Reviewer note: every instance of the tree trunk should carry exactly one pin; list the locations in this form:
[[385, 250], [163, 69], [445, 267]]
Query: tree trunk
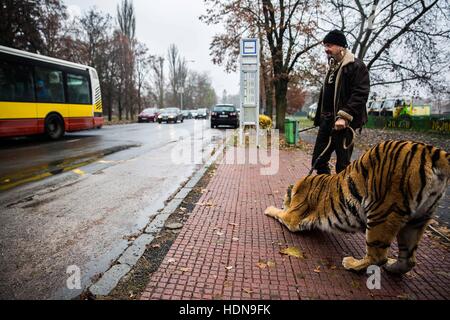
[[267, 86], [120, 106], [269, 96], [281, 86], [109, 102]]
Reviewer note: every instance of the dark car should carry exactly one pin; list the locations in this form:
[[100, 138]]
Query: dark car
[[224, 114], [187, 114], [170, 115], [147, 115], [202, 114]]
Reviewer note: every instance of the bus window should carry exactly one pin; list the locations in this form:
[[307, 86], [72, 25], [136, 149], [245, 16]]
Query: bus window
[[49, 85], [16, 82], [78, 91]]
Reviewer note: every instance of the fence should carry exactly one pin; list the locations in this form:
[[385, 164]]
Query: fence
[[431, 124]]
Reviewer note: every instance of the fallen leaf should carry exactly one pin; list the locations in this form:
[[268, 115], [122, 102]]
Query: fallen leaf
[[235, 239], [157, 245], [185, 269], [403, 296], [261, 264], [248, 290], [219, 233], [171, 260], [333, 267], [317, 270], [233, 224], [355, 284], [293, 252], [204, 190], [443, 273], [270, 264], [183, 209], [229, 267]]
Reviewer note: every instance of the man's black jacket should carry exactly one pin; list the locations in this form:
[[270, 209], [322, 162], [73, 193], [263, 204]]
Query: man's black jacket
[[351, 92]]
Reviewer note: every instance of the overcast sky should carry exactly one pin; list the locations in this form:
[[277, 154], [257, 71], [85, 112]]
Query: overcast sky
[[162, 22]]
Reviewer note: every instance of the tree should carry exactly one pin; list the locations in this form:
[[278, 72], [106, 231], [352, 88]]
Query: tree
[[285, 28], [31, 25], [95, 27], [177, 73], [142, 67], [295, 98], [158, 83], [53, 14], [126, 19], [401, 41], [127, 23]]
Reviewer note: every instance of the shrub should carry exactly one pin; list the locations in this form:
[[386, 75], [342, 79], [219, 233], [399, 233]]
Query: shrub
[[265, 122]]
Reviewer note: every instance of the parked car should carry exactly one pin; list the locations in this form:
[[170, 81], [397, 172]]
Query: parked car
[[147, 115], [224, 114], [194, 114], [187, 114], [202, 114], [312, 109], [170, 115]]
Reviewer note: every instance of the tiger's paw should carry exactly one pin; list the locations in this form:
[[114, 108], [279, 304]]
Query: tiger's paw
[[271, 211], [398, 267], [350, 263]]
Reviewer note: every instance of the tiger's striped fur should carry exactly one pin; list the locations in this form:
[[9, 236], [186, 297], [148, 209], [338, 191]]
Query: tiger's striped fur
[[390, 192]]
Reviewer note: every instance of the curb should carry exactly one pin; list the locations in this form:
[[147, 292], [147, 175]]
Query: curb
[[126, 261]]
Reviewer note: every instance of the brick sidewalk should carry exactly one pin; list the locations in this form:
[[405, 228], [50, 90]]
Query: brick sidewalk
[[223, 250]]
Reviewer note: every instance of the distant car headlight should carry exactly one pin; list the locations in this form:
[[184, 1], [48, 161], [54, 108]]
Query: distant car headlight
[[160, 116]]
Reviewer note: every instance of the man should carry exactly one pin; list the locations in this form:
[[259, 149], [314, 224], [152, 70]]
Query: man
[[342, 103]]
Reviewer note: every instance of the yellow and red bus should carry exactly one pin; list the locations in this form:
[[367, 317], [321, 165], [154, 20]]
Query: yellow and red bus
[[39, 94]]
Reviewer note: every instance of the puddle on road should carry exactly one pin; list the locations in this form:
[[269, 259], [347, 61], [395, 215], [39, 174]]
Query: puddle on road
[[56, 167]]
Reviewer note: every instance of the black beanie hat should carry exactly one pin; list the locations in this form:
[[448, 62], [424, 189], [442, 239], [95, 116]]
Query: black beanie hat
[[336, 37]]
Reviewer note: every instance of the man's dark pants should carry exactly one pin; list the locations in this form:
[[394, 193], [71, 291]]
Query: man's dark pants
[[337, 144]]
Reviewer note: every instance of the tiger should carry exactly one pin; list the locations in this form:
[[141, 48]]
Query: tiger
[[390, 192]]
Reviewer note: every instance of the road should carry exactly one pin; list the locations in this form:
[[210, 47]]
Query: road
[[117, 179]]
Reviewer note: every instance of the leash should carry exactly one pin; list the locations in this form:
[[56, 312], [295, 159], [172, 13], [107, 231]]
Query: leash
[[310, 128], [329, 144]]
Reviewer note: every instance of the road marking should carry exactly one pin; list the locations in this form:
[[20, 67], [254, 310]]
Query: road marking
[[78, 171], [106, 161], [70, 141]]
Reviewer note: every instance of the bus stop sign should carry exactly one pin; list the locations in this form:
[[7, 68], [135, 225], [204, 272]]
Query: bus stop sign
[[249, 83]]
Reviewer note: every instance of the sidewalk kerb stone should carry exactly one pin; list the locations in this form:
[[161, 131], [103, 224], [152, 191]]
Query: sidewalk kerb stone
[[157, 223], [109, 280], [183, 193], [136, 250]]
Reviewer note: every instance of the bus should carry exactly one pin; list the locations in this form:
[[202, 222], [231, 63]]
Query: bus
[[43, 95]]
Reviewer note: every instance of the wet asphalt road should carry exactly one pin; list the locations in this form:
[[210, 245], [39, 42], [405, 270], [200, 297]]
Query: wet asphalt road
[[86, 217]]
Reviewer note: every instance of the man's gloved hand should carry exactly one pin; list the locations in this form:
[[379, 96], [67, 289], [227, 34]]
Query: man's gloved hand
[[340, 124]]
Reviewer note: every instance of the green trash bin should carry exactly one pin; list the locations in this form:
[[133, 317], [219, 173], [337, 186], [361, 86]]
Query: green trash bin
[[290, 131]]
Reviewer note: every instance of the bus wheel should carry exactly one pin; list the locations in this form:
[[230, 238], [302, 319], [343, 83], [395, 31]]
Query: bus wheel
[[54, 127]]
